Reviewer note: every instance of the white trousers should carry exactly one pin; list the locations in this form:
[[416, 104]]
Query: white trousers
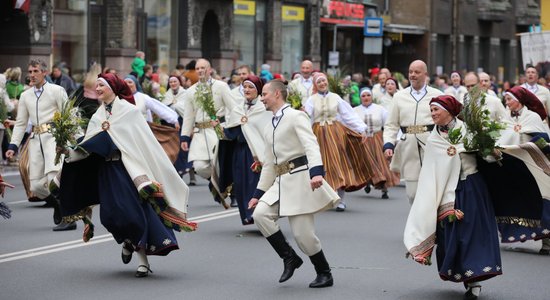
[[203, 168], [302, 226]]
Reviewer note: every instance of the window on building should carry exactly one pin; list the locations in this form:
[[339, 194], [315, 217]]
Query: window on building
[[249, 32], [69, 38], [159, 26], [292, 38]]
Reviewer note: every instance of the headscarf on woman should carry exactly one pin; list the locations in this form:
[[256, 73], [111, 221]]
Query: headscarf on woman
[[136, 82], [448, 103], [118, 86], [256, 81], [526, 98]]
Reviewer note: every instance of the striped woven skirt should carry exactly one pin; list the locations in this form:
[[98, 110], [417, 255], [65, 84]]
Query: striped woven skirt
[[382, 177], [344, 156]]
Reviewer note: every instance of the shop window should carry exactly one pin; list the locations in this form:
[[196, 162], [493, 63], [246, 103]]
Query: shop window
[[292, 38], [159, 26], [248, 32]]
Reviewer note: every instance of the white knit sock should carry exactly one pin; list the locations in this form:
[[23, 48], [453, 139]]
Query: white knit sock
[[142, 257], [475, 287]]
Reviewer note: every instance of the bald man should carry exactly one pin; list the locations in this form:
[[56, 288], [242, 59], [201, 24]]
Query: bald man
[[197, 123], [411, 114], [304, 84], [485, 83], [497, 111]]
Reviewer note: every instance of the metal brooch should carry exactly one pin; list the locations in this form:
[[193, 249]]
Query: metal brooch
[[451, 151], [105, 125]]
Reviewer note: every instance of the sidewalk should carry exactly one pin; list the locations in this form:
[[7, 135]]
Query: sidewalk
[[11, 169]]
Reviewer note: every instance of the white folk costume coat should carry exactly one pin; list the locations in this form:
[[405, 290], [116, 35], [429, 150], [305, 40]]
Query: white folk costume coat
[[288, 139], [141, 154], [39, 111], [517, 128], [442, 168], [378, 92], [406, 111], [298, 86], [458, 93], [497, 111], [387, 101], [205, 140]]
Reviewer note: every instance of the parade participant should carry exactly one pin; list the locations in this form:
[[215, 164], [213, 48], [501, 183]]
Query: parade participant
[[392, 87], [142, 199], [497, 112], [525, 124], [340, 134], [238, 92], [410, 113], [531, 84], [245, 130], [485, 83], [379, 90], [175, 100], [38, 105], [148, 105], [452, 207], [291, 185], [526, 117], [304, 84], [175, 93], [456, 89], [198, 122], [375, 116]]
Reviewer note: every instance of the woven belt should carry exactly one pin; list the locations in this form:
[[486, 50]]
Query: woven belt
[[290, 165], [42, 128], [204, 125], [416, 129]]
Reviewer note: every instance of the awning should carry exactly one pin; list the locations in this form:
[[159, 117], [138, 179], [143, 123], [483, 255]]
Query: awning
[[406, 29]]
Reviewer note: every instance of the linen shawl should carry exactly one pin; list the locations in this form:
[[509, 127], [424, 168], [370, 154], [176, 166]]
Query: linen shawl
[[142, 155], [435, 196], [253, 122], [527, 122]]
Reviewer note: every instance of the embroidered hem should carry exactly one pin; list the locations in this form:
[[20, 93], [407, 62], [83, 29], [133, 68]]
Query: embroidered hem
[[423, 252]]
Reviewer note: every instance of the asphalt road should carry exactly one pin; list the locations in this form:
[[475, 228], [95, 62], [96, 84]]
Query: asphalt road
[[225, 260]]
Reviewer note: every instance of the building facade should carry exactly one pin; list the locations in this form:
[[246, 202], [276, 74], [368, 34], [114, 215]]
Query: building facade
[[447, 34]]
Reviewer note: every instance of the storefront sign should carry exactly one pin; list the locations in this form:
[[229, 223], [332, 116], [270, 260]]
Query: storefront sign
[[293, 13], [341, 9], [244, 7], [343, 12], [333, 58]]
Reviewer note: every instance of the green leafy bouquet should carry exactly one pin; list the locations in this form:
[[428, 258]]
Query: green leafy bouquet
[[294, 99], [66, 125], [205, 99], [336, 86], [481, 132], [4, 117]]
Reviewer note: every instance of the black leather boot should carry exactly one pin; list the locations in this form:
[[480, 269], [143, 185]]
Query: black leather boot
[[51, 201], [324, 277], [291, 260]]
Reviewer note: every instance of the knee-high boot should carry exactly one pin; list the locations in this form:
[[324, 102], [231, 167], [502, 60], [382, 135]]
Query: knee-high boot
[[324, 277], [291, 260]]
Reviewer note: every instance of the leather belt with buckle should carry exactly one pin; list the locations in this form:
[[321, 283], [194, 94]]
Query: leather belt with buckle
[[42, 128], [416, 129], [290, 165], [203, 125]]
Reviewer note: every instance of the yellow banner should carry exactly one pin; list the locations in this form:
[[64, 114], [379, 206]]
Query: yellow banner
[[244, 7], [293, 13]]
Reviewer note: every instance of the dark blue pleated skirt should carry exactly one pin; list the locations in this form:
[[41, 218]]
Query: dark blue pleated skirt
[[468, 249]]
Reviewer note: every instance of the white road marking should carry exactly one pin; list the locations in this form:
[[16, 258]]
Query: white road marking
[[97, 239]]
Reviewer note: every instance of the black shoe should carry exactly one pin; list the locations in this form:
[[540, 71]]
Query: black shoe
[[291, 263], [544, 252], [234, 202], [322, 268], [140, 274], [367, 189], [126, 258], [65, 226], [385, 195]]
